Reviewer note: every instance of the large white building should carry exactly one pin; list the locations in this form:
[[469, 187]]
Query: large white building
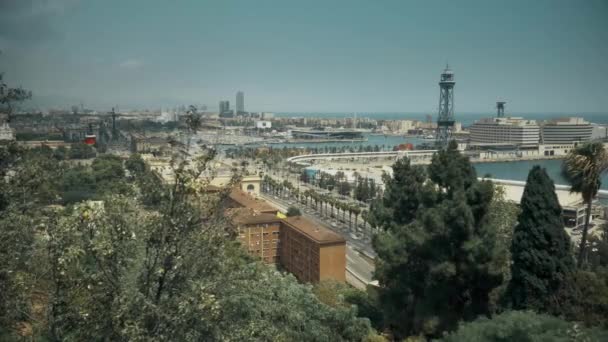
[[6, 132], [261, 124], [510, 130], [565, 131]]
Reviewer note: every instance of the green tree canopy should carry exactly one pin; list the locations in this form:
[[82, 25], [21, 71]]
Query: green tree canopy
[[540, 249], [437, 257], [293, 211], [524, 326]]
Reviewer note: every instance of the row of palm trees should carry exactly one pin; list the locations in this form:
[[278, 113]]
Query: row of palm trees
[[326, 205]]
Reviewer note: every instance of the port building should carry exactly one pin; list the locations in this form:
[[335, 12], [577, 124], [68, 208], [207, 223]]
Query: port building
[[565, 131], [500, 130]]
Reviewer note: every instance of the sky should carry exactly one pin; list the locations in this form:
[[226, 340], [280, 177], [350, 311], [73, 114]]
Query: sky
[[309, 56]]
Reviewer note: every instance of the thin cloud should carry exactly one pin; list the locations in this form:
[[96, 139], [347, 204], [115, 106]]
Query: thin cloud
[[131, 64]]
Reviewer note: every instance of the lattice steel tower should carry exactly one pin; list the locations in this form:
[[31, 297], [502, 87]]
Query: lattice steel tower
[[500, 109], [445, 118]]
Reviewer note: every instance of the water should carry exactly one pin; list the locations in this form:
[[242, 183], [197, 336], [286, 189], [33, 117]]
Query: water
[[388, 141], [518, 170], [466, 119]]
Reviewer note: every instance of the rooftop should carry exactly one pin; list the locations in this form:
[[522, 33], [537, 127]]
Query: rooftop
[[251, 202], [567, 121], [508, 121], [250, 216], [317, 233]]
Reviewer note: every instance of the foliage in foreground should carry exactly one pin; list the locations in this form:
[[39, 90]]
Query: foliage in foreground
[[123, 270], [524, 326], [439, 254], [542, 259]]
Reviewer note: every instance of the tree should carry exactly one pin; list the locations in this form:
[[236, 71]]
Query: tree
[[60, 153], [541, 247], [584, 167], [10, 96], [503, 216], [293, 211], [109, 175], [436, 258], [584, 298], [193, 124], [135, 165], [524, 326], [403, 195], [81, 150], [122, 273]]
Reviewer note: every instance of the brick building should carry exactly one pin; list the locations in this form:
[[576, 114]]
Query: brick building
[[308, 251], [258, 233]]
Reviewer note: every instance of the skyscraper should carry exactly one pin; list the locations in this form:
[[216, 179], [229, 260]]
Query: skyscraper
[[240, 102], [225, 111]]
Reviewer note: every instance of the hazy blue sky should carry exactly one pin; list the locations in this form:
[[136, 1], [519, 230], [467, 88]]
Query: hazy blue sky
[[541, 56]]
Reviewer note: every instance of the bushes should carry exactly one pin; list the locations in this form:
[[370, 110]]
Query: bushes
[[524, 326]]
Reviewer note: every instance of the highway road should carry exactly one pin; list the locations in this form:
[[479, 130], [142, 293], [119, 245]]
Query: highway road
[[359, 255]]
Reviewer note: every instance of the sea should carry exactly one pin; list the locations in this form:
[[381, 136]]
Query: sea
[[511, 170], [466, 119]]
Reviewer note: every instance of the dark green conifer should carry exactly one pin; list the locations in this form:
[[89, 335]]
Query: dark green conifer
[[436, 256], [540, 249]]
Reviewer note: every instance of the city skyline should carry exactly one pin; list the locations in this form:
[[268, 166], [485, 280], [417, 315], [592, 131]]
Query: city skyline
[[545, 56]]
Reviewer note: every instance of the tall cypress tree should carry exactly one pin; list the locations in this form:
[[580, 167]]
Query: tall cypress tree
[[540, 247]]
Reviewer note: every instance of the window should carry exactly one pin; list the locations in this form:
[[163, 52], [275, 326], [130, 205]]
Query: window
[[250, 187]]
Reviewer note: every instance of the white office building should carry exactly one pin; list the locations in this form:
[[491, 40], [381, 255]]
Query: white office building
[[262, 124], [510, 130], [6, 132], [565, 131]]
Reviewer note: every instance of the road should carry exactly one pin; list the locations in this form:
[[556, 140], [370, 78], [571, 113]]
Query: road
[[359, 256]]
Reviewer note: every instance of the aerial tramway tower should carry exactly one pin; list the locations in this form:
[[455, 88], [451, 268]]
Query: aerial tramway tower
[[445, 117]]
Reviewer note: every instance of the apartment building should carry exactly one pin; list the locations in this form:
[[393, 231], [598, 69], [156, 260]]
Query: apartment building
[[257, 232], [310, 252]]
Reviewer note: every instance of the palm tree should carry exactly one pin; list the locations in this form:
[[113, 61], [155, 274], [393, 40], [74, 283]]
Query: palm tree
[[350, 217], [356, 212], [364, 214], [584, 167], [326, 199], [332, 203]]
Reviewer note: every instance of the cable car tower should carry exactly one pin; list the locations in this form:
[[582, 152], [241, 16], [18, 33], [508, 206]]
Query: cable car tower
[[445, 117]]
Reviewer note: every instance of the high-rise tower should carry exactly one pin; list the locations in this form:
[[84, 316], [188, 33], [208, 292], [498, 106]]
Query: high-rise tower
[[240, 102], [445, 117], [500, 109]]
